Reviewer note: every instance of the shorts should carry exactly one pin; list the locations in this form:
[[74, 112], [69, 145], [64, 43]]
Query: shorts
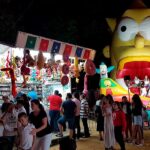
[[138, 120], [71, 122]]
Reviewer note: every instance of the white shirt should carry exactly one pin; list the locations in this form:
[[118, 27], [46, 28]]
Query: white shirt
[[10, 123], [20, 110], [78, 105], [26, 138]]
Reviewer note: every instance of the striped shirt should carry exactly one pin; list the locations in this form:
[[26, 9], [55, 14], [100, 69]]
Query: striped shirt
[[84, 110]]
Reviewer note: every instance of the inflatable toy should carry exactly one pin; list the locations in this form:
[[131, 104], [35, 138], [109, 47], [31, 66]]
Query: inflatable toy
[[103, 70], [130, 49]]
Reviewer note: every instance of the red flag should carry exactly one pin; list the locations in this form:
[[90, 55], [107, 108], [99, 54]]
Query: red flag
[[44, 45], [86, 54], [67, 50]]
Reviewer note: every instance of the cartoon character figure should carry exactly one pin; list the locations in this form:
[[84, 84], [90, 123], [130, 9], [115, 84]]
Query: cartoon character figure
[[103, 70], [129, 50], [107, 83]]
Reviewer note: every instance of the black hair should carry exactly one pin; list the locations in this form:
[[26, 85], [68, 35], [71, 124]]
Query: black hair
[[76, 95], [60, 95], [110, 99], [124, 97], [37, 102], [20, 102], [69, 95], [136, 100], [118, 104], [22, 114], [56, 92]]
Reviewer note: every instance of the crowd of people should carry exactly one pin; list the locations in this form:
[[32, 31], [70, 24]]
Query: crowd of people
[[28, 126], [122, 122]]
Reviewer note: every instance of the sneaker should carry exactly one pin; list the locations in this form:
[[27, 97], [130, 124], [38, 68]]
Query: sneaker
[[139, 145], [59, 135]]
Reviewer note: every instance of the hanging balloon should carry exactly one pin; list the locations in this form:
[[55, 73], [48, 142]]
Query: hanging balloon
[[65, 58], [65, 69], [89, 67], [64, 80]]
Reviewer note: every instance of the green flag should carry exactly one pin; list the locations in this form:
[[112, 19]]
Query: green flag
[[30, 43]]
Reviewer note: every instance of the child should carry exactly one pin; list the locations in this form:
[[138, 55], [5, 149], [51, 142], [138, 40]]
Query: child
[[26, 139], [19, 106], [9, 120], [109, 137], [119, 124]]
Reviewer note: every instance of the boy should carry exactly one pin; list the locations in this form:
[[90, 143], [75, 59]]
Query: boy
[[26, 139]]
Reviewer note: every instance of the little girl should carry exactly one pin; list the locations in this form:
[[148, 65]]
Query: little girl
[[109, 138], [119, 124]]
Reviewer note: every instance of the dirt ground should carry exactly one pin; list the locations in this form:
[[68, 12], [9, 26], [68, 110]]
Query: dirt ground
[[93, 143]]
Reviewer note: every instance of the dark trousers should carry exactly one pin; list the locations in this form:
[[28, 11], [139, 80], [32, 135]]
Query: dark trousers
[[11, 140], [54, 116], [86, 128], [119, 137], [77, 126]]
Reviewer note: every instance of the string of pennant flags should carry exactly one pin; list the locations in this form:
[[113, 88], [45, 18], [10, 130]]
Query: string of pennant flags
[[34, 42]]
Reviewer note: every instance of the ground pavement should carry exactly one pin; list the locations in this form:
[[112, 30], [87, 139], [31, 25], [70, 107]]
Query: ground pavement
[[93, 143]]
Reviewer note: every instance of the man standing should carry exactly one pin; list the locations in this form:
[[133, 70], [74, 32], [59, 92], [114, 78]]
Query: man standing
[[126, 107], [84, 111], [77, 115], [68, 110], [54, 109]]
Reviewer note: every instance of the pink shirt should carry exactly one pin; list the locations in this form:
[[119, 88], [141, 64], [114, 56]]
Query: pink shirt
[[55, 102], [78, 104]]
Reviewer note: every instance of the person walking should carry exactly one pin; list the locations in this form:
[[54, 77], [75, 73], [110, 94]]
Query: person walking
[[68, 110], [119, 120], [77, 115], [54, 110], [126, 108], [84, 111], [42, 128], [109, 137]]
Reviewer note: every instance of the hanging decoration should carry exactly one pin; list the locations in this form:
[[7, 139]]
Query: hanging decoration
[[13, 79], [30, 41], [89, 67], [40, 60]]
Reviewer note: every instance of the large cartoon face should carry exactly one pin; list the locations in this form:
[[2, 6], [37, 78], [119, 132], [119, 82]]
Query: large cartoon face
[[130, 49]]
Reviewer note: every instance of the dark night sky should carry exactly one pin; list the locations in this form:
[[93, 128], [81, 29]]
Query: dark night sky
[[78, 22]]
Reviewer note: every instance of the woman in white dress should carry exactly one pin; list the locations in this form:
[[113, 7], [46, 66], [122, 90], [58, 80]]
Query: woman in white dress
[[109, 137]]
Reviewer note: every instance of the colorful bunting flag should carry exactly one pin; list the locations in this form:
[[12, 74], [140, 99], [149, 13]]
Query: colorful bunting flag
[[44, 45], [67, 50], [31, 40], [56, 47], [79, 51], [25, 40], [86, 54]]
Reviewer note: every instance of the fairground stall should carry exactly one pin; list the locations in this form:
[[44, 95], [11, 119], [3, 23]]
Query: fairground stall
[[40, 63]]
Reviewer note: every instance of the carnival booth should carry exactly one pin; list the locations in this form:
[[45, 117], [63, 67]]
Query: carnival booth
[[130, 55], [40, 63]]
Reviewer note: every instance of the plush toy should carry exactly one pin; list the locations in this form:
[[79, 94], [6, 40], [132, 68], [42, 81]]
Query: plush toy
[[27, 61], [13, 79], [40, 60]]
